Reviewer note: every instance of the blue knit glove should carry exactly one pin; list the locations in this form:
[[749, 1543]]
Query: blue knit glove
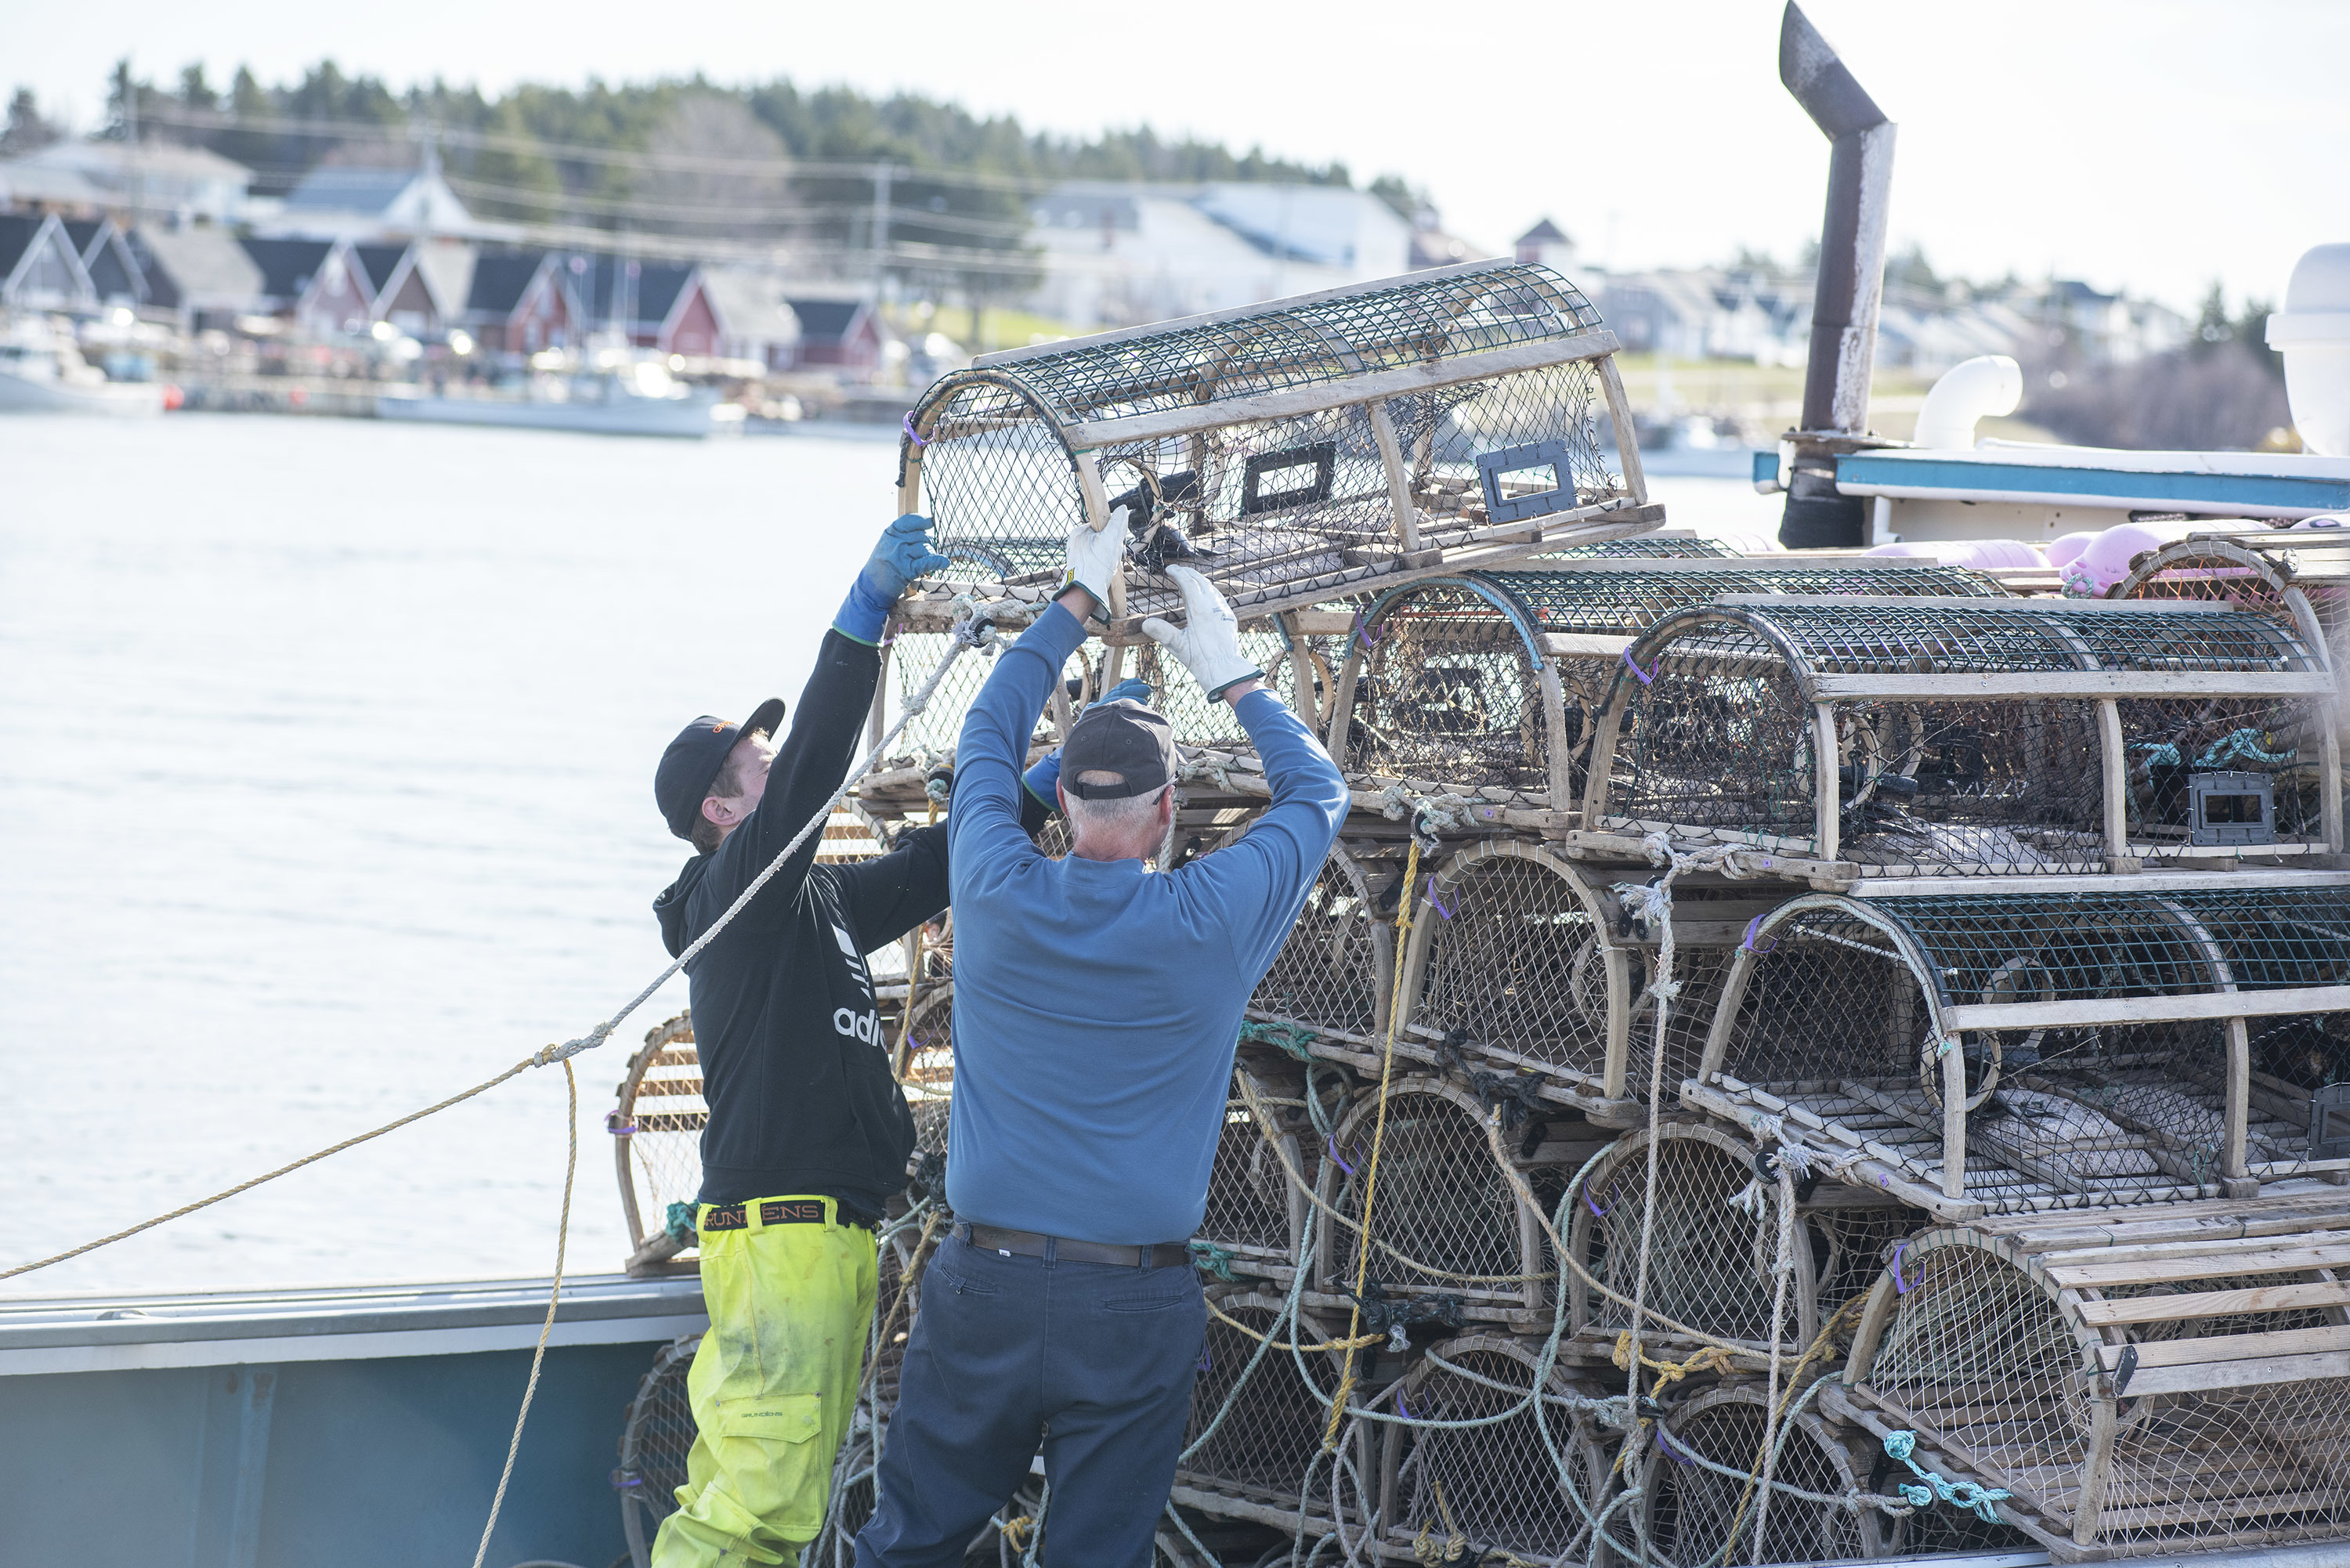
[[902, 553], [1044, 780]]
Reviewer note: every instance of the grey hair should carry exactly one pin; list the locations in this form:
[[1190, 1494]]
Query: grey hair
[[1127, 814]]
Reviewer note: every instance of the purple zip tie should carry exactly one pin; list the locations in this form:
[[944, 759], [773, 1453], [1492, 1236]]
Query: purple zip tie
[[1339, 1157], [1746, 942], [1363, 634], [1900, 1286], [1665, 1446], [1401, 1408], [907, 424], [1596, 1211], [1205, 1365], [1647, 677], [1432, 903]]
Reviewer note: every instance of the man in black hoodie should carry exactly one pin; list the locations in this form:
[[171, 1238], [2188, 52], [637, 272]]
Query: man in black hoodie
[[808, 1133]]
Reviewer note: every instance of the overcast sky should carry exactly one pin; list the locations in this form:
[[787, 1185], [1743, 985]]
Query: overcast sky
[[2153, 144]]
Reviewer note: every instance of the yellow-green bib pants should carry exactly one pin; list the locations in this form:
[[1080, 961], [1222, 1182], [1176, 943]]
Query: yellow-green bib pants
[[772, 1385]]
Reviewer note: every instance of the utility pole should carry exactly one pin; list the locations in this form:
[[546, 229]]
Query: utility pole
[[881, 175]]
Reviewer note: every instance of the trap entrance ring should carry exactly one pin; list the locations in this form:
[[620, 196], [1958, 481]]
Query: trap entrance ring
[[1294, 451], [1493, 681], [1448, 1229], [1868, 735], [2073, 1044], [1498, 1484], [2152, 1383], [1691, 1509], [1713, 1245]]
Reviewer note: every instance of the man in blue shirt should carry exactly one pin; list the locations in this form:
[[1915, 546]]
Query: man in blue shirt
[[1096, 1010]]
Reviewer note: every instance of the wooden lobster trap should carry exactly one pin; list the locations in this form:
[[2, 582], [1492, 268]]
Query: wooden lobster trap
[[1693, 1511], [1259, 1184], [1449, 1241], [1488, 685], [2297, 577], [1713, 1245], [2051, 1045], [1328, 987], [1527, 1484], [1889, 737], [1293, 451], [1254, 1463], [2142, 1382], [1522, 962]]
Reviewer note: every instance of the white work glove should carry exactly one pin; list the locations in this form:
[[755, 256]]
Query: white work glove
[[1097, 555], [1209, 643]]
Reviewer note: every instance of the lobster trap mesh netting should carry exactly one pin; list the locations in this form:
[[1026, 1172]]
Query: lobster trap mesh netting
[[657, 1435], [1994, 1363], [661, 1101], [2264, 581], [1503, 1486], [1710, 1252], [1260, 501], [930, 1076], [1517, 968], [1272, 1435], [1448, 1223], [2266, 756], [1694, 1511], [1255, 1211], [1333, 975]]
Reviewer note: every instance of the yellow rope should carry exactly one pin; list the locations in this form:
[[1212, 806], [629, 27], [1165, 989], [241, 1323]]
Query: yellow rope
[[1371, 1166], [1355, 1343], [1017, 1529], [1713, 1358]]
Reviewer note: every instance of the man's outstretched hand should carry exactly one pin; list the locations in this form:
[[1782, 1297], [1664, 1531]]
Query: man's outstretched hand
[[1209, 642], [1097, 555], [902, 553]]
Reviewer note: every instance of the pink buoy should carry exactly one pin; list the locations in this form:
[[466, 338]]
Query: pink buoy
[[2065, 548]]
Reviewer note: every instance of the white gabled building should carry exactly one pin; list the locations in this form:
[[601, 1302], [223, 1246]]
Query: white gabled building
[[1116, 254]]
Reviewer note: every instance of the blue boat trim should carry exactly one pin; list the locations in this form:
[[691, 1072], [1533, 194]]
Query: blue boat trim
[[1864, 471]]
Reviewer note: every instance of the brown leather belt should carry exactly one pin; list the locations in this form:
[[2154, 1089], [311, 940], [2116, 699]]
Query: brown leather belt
[[1029, 1244]]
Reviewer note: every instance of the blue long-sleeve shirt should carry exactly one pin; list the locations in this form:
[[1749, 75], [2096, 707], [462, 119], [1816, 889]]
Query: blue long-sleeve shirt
[[1098, 1007]]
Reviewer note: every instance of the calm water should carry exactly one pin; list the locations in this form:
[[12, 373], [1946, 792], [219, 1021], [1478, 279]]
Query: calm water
[[325, 751]]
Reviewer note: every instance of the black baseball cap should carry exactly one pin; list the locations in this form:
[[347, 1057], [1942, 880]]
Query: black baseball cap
[[682, 781], [1123, 738]]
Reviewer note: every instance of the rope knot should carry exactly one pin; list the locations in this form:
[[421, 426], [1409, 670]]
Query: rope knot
[[547, 1055]]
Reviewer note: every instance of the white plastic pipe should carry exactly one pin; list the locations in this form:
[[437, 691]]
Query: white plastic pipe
[[1981, 388], [2313, 333]]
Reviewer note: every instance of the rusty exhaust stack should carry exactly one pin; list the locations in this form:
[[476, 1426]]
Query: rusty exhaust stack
[[1850, 287]]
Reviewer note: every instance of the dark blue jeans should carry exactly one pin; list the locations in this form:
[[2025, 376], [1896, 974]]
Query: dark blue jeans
[[1092, 1361]]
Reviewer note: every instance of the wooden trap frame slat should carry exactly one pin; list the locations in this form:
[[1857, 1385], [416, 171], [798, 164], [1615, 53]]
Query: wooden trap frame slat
[[2127, 1415]]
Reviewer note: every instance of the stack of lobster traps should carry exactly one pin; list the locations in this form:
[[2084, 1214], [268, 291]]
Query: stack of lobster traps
[[1791, 1058]]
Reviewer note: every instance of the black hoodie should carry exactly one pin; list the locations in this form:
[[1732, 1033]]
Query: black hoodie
[[794, 1066]]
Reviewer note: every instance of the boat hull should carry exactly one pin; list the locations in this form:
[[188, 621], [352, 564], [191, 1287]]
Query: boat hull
[[30, 395], [676, 418]]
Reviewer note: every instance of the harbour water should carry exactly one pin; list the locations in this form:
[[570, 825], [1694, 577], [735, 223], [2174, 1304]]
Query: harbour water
[[325, 761]]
